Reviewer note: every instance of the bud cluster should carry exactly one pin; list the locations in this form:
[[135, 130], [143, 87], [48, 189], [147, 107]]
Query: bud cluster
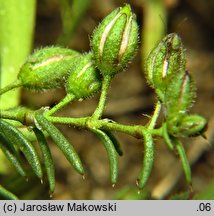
[[166, 72], [113, 45]]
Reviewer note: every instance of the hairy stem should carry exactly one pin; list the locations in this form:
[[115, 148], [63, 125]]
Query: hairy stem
[[155, 115], [11, 86], [89, 122], [66, 100], [85, 123], [101, 106]]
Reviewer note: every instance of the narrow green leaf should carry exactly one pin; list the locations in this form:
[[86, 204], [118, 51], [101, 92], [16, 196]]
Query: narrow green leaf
[[112, 154], [48, 160], [72, 11], [67, 149], [115, 142], [147, 160], [184, 160], [9, 145], [11, 156], [7, 194], [30, 135], [167, 137], [16, 137]]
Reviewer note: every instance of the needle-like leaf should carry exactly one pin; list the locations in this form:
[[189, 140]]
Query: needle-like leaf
[[4, 193], [15, 137], [63, 144], [115, 142], [48, 160], [147, 160], [112, 154], [184, 160], [11, 156]]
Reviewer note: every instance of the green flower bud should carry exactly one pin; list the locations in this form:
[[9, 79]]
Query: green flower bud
[[85, 79], [115, 41], [179, 96], [47, 68], [165, 61], [189, 125]]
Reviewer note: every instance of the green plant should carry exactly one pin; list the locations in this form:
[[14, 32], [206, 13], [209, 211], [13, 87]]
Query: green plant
[[16, 35], [113, 45]]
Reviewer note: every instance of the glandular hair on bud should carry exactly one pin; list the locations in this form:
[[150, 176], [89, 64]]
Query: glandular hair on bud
[[84, 79], [47, 68], [180, 95], [115, 41]]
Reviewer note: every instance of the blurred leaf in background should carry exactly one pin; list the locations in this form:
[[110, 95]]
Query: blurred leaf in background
[[72, 11]]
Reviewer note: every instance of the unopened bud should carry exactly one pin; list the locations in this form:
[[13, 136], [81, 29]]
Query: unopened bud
[[85, 79], [47, 68], [165, 61], [180, 95], [189, 125], [115, 41]]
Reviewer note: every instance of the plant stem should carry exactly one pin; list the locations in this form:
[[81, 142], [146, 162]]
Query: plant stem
[[11, 86], [133, 130], [88, 123], [11, 115], [167, 137], [101, 105], [154, 118], [66, 100], [77, 122], [20, 114]]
